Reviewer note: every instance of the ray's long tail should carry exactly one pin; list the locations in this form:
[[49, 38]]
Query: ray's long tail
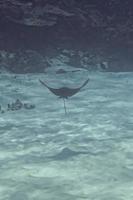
[[64, 106]]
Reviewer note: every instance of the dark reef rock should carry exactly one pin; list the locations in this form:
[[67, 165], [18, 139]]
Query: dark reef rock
[[27, 61], [93, 60], [36, 29]]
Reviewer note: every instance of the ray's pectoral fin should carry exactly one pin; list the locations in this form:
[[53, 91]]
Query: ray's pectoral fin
[[85, 83], [54, 91], [44, 84]]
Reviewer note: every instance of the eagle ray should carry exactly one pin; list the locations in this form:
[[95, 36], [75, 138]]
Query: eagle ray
[[64, 92]]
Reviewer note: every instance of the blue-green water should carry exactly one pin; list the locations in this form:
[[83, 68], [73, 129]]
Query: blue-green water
[[86, 154]]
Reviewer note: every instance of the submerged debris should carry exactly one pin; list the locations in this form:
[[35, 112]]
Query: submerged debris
[[17, 105], [28, 106], [2, 111]]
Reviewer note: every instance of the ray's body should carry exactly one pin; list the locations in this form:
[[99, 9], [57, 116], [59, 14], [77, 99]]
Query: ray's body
[[64, 92]]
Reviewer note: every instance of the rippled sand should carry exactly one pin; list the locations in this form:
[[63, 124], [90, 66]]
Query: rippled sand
[[86, 154]]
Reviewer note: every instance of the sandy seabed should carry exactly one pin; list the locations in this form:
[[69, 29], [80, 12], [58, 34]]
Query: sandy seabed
[[85, 154]]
